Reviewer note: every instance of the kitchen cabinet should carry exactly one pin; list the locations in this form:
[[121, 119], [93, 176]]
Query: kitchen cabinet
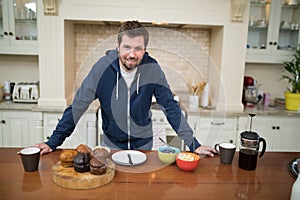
[[280, 132], [273, 31], [18, 27], [210, 130], [162, 129], [20, 128], [85, 131]]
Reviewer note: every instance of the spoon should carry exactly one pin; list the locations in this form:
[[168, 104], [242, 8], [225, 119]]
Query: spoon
[[163, 141]]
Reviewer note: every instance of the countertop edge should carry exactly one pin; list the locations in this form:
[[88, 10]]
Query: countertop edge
[[262, 111]]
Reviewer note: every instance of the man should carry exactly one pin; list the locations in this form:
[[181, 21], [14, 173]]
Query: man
[[124, 81]]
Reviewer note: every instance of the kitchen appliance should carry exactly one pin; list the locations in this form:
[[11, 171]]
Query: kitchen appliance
[[26, 92], [250, 143], [251, 96]]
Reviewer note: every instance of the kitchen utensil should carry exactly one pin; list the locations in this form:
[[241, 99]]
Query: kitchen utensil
[[248, 81], [187, 161], [30, 158], [226, 151], [293, 167], [167, 154], [251, 96], [121, 157], [26, 92], [7, 94], [163, 141], [295, 194], [250, 143], [66, 177], [130, 160]]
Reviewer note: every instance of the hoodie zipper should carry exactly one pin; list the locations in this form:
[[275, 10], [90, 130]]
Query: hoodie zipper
[[128, 105], [128, 116]]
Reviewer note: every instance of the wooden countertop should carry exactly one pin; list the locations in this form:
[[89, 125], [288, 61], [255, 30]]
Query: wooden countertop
[[211, 180]]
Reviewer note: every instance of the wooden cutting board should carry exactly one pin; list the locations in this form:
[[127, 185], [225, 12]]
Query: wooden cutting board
[[69, 178]]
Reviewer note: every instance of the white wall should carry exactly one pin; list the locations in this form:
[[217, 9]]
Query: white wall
[[269, 76], [19, 68]]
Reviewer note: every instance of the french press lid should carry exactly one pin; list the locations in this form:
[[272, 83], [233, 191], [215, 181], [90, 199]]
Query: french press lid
[[249, 135]]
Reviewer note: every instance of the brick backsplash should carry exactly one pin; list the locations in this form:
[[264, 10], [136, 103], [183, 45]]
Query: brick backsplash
[[182, 52]]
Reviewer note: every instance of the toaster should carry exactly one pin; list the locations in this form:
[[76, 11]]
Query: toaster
[[26, 92]]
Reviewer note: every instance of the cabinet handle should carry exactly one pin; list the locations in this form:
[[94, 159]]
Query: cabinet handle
[[3, 121], [273, 127], [5, 33], [270, 43], [11, 34], [48, 137], [230, 141], [217, 123], [275, 43], [278, 127]]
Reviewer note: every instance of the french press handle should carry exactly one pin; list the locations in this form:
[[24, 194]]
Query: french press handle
[[264, 146]]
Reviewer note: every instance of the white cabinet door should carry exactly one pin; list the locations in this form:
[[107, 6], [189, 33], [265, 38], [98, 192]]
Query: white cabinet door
[[286, 134], [18, 27], [2, 121], [16, 127], [50, 122], [269, 40], [85, 131], [210, 130], [36, 128]]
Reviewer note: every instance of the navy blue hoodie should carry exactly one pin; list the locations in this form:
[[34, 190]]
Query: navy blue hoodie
[[125, 110]]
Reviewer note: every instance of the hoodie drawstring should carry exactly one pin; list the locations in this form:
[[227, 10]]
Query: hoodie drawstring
[[117, 89], [137, 84], [117, 86]]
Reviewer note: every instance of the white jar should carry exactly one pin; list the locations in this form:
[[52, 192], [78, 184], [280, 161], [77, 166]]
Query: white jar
[[7, 95]]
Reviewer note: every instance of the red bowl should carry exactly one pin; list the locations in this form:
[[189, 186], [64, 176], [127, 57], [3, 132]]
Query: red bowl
[[187, 161]]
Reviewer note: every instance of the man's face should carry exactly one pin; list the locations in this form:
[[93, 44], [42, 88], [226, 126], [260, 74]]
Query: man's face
[[131, 52]]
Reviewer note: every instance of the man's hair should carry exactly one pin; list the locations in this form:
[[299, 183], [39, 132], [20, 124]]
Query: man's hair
[[133, 29]]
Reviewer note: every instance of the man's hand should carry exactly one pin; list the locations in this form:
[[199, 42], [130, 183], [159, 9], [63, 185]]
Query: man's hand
[[44, 148], [206, 150]]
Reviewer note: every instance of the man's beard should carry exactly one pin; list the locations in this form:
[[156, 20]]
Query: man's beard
[[131, 67]]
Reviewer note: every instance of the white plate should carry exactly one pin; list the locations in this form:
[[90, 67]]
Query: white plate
[[121, 157]]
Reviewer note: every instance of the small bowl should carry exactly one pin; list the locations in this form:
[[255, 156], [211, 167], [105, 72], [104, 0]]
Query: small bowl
[[187, 161], [167, 154]]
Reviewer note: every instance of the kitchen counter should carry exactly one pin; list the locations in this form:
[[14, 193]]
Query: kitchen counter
[[260, 110], [10, 105], [211, 180], [276, 111]]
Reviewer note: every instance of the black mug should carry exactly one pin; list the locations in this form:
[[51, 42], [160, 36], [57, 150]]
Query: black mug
[[226, 151]]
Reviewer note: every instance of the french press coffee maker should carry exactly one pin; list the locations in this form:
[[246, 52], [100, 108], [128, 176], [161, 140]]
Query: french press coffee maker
[[250, 142]]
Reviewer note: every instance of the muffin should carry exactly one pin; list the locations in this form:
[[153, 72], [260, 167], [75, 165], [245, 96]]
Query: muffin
[[97, 167], [100, 152], [82, 162], [66, 157], [82, 148]]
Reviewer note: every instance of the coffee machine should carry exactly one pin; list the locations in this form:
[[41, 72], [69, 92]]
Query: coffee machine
[[251, 96]]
